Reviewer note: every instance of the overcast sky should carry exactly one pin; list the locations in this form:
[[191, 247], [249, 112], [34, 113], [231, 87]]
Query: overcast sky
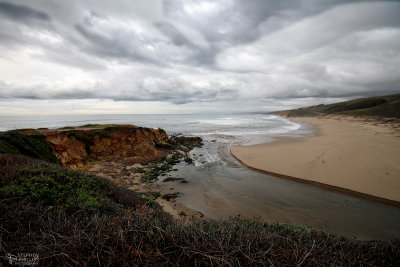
[[180, 56]]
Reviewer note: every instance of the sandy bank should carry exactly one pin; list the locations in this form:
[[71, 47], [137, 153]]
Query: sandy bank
[[354, 156]]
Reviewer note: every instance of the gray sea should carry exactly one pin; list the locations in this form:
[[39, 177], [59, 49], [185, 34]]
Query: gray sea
[[220, 187]]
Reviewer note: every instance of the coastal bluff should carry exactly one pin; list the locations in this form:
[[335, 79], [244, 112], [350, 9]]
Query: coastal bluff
[[77, 147], [130, 157]]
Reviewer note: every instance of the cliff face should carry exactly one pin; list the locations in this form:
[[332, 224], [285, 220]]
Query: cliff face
[[80, 147], [76, 148]]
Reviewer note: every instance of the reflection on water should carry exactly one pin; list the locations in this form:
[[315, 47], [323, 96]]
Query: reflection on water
[[225, 188]]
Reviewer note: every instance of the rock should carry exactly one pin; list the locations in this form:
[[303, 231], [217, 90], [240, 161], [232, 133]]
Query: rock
[[182, 153], [121, 150], [76, 148], [183, 148], [188, 160], [188, 142]]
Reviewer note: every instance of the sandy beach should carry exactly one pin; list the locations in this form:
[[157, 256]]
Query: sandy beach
[[351, 155]]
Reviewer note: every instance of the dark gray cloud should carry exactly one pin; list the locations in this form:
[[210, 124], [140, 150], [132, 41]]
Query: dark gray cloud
[[176, 37], [193, 51], [21, 13], [15, 17]]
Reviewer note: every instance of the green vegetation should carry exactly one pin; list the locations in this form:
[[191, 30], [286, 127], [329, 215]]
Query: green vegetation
[[57, 187], [75, 219], [168, 197], [380, 106], [24, 142], [293, 228], [159, 168], [154, 195], [82, 136]]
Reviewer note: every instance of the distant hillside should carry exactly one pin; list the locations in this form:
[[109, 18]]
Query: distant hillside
[[381, 106]]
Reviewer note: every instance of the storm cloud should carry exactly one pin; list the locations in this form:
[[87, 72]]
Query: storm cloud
[[267, 55]]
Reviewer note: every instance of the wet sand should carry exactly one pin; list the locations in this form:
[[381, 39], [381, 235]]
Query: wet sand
[[351, 155]]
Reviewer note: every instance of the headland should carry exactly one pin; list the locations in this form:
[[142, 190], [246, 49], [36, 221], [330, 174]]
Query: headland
[[352, 149]]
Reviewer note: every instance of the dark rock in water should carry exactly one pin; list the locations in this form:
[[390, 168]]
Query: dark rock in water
[[172, 179], [187, 142], [184, 149], [188, 160], [154, 195], [171, 196]]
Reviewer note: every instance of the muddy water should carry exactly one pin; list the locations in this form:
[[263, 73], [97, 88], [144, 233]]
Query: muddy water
[[224, 188]]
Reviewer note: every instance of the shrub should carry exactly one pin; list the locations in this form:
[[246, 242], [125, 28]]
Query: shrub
[[142, 234]]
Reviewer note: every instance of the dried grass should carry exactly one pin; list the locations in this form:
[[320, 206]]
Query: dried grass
[[141, 234]]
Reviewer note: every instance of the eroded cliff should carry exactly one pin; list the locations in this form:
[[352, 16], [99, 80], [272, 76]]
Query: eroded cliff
[[79, 147], [75, 148]]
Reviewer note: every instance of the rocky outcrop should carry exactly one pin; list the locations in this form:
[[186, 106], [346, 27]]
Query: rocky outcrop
[[78, 147], [185, 144]]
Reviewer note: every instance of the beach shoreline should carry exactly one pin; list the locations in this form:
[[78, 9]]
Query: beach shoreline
[[351, 155]]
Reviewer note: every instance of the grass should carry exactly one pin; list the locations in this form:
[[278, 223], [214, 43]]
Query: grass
[[128, 229], [28, 143], [57, 187], [293, 228], [380, 106]]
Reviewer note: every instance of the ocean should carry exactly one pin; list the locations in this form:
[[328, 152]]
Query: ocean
[[220, 187]]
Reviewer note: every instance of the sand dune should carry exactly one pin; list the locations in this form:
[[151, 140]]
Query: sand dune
[[348, 155]]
